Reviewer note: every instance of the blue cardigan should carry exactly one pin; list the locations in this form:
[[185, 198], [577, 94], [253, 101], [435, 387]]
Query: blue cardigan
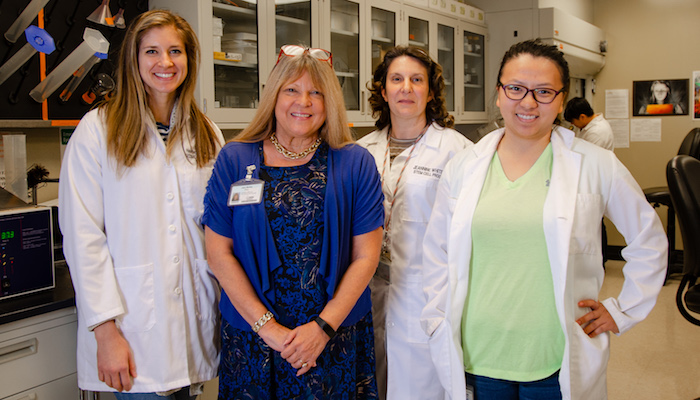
[[352, 206]]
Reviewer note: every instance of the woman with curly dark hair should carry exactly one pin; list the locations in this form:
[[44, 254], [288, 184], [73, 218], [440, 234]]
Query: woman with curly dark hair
[[413, 143]]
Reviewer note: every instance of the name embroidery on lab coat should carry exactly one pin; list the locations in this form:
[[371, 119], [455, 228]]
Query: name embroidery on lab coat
[[427, 171]]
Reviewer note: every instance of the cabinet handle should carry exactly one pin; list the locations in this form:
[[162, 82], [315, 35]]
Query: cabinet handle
[[362, 102], [18, 350], [30, 396]]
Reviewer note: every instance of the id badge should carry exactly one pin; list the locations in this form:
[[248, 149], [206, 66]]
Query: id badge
[[383, 270], [470, 392], [246, 191]]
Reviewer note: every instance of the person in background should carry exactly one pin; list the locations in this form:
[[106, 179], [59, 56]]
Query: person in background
[[512, 251], [131, 198], [296, 252], [591, 127], [661, 100], [413, 142]]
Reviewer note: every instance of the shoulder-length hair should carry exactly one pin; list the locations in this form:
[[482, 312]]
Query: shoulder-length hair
[[435, 110], [334, 131], [652, 97], [127, 109]]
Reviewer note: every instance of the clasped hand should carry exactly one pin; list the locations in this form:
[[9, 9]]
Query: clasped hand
[[598, 320], [300, 346]]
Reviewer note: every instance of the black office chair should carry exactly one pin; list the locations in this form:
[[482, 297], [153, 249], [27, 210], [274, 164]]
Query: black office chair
[[683, 175], [659, 196]]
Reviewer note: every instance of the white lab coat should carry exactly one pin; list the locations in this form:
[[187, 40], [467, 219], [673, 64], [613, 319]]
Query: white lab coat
[[599, 132], [135, 248], [587, 182], [410, 374]]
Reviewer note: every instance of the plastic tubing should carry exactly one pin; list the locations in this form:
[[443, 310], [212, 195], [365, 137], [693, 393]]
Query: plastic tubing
[[94, 42], [37, 40], [22, 22]]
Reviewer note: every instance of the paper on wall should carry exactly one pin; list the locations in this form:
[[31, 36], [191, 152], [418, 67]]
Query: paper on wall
[[645, 130], [621, 132], [617, 104]]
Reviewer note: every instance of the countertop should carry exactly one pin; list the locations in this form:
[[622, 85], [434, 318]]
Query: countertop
[[29, 305]]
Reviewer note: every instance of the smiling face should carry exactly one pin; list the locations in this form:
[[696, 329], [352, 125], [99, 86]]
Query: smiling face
[[407, 89], [526, 118], [660, 91], [300, 110], [162, 62]]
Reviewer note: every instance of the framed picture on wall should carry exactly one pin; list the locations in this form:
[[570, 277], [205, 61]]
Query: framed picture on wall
[[660, 97], [696, 94]]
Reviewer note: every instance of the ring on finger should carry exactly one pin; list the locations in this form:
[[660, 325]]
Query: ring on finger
[[304, 364]]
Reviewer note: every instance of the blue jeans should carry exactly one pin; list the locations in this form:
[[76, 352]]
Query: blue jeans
[[182, 394], [497, 389]]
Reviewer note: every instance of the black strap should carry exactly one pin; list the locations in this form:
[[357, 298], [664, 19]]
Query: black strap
[[326, 328]]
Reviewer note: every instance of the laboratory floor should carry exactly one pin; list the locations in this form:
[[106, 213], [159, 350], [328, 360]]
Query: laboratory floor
[[660, 357]]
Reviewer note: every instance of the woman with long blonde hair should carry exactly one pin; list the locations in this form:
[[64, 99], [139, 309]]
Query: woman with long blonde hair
[[131, 198]]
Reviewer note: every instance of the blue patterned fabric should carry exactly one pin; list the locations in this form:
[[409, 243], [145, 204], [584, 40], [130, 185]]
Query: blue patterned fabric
[[294, 199]]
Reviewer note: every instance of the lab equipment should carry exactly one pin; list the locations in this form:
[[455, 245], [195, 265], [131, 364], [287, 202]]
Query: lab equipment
[[79, 75], [93, 42], [37, 40], [25, 18]]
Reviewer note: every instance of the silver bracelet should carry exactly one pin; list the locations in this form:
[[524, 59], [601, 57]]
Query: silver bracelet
[[262, 321]]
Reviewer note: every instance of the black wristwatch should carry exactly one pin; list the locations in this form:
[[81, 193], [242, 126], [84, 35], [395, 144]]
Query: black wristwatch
[[326, 328]]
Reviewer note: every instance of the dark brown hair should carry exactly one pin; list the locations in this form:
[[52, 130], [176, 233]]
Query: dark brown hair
[[435, 110]]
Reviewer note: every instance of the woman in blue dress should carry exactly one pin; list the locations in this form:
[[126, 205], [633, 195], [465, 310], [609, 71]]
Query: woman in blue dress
[[293, 220]]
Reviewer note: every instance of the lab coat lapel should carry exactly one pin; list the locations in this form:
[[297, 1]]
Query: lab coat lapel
[[559, 208]]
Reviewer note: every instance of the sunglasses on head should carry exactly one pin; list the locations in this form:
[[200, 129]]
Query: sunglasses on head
[[292, 50]]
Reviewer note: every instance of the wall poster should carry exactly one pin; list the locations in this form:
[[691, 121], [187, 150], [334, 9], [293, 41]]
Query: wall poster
[[696, 95], [660, 97]]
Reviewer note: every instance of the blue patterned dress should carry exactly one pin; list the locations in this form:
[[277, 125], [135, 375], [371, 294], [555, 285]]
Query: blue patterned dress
[[294, 199]]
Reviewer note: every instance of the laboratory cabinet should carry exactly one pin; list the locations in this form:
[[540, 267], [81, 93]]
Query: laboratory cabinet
[[358, 33], [460, 47], [240, 43], [37, 357]]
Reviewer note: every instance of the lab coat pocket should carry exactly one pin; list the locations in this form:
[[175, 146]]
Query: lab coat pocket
[[588, 217], [138, 294], [419, 196], [409, 294], [208, 290], [588, 361]]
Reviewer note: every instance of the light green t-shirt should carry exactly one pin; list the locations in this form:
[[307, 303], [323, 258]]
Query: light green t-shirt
[[510, 327]]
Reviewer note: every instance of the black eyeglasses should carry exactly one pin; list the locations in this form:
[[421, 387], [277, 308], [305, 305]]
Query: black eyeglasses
[[292, 50], [541, 95]]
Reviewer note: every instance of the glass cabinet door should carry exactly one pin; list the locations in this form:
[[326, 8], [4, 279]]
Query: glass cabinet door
[[446, 41], [345, 46], [235, 45], [474, 72], [383, 34], [292, 23], [418, 30]]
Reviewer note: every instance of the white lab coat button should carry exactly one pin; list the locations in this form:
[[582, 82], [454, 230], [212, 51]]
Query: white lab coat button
[[171, 228], [176, 259], [170, 196], [178, 291]]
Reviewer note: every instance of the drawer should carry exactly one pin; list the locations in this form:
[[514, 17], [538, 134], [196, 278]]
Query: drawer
[[65, 388], [38, 353]]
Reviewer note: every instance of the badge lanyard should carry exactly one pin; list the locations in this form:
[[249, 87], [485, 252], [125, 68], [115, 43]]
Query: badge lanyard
[[247, 190], [386, 242]]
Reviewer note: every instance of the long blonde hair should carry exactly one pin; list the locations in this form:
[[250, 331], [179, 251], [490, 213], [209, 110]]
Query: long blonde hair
[[126, 110], [334, 131]]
